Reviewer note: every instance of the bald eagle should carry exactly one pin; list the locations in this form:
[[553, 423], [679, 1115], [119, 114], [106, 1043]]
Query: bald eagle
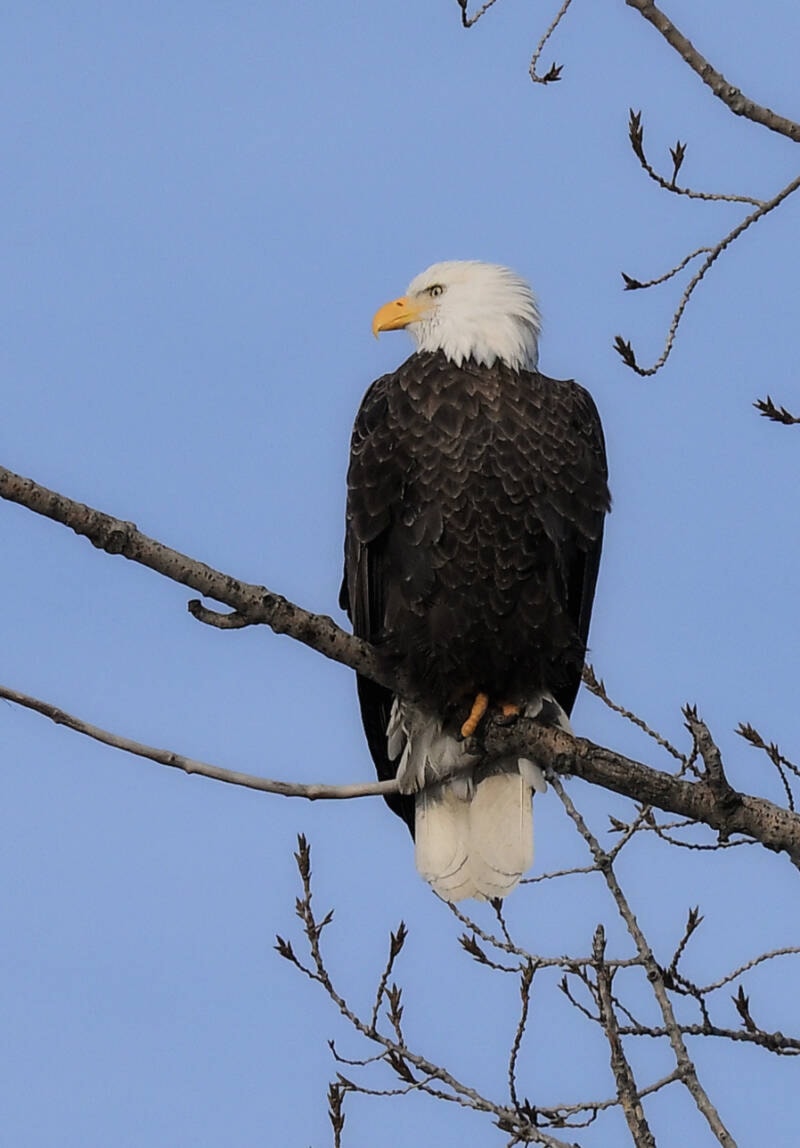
[[477, 490]]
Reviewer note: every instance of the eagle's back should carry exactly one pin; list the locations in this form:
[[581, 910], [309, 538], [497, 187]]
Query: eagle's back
[[476, 499]]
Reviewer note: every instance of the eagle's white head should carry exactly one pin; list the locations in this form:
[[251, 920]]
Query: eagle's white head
[[468, 310]]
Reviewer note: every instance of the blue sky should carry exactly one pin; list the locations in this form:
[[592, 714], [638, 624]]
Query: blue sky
[[201, 209]]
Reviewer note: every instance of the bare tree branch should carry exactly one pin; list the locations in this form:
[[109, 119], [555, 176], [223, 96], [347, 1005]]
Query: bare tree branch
[[771, 749], [775, 828], [553, 73], [731, 96], [775, 1042], [632, 284], [188, 765], [525, 981], [623, 346], [256, 604], [627, 1091], [636, 137], [468, 20], [597, 687], [791, 951], [528, 1122], [740, 105], [395, 1050], [684, 1064]]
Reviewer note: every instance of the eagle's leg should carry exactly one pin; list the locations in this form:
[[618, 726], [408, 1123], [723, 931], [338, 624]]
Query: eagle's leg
[[479, 708]]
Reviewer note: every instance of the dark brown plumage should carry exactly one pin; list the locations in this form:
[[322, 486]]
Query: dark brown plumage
[[475, 507]]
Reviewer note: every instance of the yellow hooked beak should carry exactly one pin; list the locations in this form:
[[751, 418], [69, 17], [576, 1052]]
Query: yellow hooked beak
[[396, 315]]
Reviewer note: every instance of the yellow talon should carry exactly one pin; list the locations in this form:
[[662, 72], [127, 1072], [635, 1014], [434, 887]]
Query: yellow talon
[[479, 708], [508, 709]]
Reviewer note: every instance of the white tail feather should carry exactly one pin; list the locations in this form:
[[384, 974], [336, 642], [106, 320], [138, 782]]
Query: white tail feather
[[476, 846], [442, 841], [474, 830]]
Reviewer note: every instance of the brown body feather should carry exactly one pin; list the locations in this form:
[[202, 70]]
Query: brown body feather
[[475, 508]]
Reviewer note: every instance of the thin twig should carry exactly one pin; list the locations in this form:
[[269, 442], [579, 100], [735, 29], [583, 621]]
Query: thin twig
[[791, 951], [636, 137], [468, 20], [168, 757], [396, 942], [695, 846], [582, 978], [508, 946], [639, 822], [623, 346], [693, 922], [597, 687], [779, 760], [525, 983], [577, 872], [553, 73], [632, 284], [604, 1105]]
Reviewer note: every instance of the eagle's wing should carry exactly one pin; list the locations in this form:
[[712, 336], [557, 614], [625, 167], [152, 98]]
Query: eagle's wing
[[585, 483], [375, 487]]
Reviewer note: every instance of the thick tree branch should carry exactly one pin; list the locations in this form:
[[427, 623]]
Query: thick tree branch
[[254, 604], [778, 829], [774, 827]]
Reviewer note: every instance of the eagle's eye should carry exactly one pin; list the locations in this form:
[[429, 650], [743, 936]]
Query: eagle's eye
[[436, 290]]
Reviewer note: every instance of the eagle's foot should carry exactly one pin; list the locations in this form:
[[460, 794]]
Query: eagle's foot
[[479, 708], [509, 712]]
